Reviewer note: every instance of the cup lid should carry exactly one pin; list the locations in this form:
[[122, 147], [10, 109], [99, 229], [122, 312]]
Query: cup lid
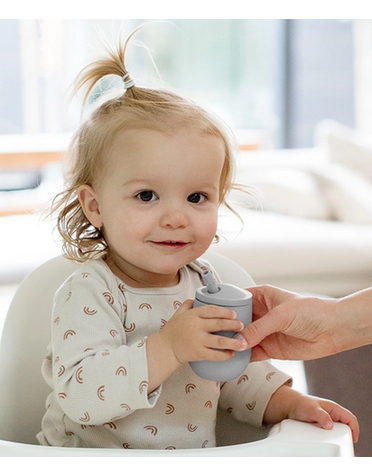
[[227, 295]]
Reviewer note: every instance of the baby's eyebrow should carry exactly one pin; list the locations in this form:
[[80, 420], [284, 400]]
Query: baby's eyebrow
[[154, 182], [139, 182]]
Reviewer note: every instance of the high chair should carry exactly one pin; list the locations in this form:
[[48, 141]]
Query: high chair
[[23, 391]]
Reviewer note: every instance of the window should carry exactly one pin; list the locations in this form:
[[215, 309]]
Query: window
[[226, 65], [279, 76], [319, 77]]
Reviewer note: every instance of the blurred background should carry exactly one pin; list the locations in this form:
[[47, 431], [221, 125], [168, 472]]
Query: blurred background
[[298, 95], [275, 78], [272, 81]]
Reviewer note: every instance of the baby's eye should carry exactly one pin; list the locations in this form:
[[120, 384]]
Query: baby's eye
[[147, 196], [196, 198]]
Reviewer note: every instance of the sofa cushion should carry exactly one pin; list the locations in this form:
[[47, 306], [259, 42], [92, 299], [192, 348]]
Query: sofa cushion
[[314, 189], [347, 194], [346, 146], [285, 190]]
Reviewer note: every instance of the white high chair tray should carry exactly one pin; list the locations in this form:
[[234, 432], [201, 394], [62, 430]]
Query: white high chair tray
[[288, 438]]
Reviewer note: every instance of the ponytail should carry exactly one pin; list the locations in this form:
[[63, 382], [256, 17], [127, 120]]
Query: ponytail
[[112, 64]]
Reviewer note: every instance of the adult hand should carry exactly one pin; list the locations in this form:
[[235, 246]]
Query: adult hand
[[293, 327]]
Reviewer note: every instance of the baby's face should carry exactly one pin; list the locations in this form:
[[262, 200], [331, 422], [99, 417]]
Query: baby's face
[[158, 203]]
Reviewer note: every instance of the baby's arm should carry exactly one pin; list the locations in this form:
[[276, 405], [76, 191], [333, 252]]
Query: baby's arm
[[288, 403], [188, 336], [96, 375]]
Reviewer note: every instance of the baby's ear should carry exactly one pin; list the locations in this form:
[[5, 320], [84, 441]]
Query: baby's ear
[[89, 203]]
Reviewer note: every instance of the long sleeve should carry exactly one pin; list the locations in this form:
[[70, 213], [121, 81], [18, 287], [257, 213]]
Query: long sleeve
[[246, 397], [97, 375]]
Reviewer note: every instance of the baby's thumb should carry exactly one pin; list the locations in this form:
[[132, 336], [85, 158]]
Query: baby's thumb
[[324, 420]]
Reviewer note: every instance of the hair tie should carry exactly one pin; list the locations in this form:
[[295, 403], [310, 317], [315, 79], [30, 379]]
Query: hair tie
[[128, 82]]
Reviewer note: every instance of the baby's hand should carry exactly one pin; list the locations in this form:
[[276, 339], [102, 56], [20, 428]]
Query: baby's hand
[[190, 332], [188, 336], [324, 412], [288, 403]]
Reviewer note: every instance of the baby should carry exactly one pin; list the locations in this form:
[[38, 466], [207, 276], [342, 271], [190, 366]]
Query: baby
[[149, 171]]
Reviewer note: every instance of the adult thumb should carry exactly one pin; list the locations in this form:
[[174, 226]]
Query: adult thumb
[[258, 330], [253, 334]]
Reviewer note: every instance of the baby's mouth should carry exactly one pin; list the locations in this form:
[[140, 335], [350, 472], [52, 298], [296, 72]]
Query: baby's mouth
[[171, 244]]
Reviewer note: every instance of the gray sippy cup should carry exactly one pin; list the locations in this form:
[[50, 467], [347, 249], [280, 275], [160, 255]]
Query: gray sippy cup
[[237, 299]]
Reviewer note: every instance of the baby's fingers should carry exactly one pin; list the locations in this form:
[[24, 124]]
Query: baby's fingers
[[222, 325], [213, 312], [342, 415], [220, 342], [206, 312], [329, 412]]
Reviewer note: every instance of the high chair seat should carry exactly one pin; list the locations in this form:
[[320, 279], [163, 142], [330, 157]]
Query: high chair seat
[[23, 391]]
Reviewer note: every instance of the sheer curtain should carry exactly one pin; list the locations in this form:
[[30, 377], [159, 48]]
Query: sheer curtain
[[228, 66], [363, 74]]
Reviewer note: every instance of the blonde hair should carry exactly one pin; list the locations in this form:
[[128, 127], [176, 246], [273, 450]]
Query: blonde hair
[[133, 108]]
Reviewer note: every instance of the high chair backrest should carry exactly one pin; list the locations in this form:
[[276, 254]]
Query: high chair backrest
[[25, 337]]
